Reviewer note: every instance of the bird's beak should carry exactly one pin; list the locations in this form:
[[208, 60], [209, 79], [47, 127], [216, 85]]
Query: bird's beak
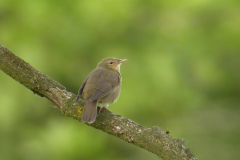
[[122, 60]]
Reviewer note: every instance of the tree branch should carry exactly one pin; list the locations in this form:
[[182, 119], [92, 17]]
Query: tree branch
[[151, 139]]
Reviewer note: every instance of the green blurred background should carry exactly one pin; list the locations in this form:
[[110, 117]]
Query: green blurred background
[[182, 73]]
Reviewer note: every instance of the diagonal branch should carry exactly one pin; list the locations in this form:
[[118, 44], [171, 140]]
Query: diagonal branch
[[151, 139]]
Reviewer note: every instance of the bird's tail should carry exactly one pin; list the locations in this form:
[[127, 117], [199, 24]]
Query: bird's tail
[[89, 111]]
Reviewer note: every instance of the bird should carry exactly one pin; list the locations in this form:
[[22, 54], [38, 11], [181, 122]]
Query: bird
[[101, 87]]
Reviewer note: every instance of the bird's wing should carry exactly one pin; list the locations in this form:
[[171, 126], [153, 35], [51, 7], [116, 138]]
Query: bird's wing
[[103, 87], [81, 88]]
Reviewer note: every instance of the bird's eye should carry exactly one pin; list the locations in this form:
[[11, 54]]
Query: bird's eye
[[110, 62]]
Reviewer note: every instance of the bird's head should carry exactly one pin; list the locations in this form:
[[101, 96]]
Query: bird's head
[[111, 63]]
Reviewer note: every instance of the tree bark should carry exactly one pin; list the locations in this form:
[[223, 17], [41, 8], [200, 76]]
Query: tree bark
[[152, 139]]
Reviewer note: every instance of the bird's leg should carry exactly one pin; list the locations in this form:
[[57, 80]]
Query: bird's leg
[[103, 108]]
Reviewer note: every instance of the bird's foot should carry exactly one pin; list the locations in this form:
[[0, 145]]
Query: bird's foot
[[102, 109]]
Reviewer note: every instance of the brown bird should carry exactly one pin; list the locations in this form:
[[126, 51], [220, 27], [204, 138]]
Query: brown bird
[[102, 86]]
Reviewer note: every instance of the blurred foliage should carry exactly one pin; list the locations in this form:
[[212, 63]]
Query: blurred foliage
[[182, 74]]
